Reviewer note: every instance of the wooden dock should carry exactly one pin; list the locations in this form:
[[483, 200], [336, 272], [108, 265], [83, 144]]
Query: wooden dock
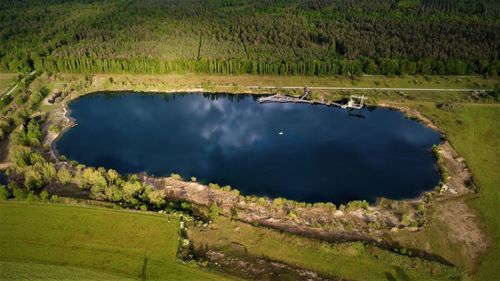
[[355, 102], [283, 99]]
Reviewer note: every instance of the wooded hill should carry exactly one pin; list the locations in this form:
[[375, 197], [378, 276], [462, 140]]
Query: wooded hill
[[306, 37]]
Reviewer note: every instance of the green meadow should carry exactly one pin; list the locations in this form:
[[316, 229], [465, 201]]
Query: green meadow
[[52, 241]]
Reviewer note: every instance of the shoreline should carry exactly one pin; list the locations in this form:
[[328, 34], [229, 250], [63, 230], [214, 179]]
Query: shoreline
[[407, 112], [355, 225]]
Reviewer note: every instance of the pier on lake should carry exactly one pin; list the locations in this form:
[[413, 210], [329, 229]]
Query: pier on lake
[[354, 102]]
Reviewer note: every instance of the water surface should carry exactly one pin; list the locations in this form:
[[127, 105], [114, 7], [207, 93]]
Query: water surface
[[297, 151]]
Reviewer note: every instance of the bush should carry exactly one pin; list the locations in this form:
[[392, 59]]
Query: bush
[[443, 172], [4, 193], [64, 175], [406, 220], [357, 204], [186, 206], [214, 212], [54, 128], [176, 176], [32, 197], [19, 194], [421, 207], [44, 196], [214, 186]]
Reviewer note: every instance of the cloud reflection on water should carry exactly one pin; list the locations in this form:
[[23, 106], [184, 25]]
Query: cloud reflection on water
[[324, 153]]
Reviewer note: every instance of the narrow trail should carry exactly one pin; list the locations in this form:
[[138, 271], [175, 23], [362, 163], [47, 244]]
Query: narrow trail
[[17, 84]]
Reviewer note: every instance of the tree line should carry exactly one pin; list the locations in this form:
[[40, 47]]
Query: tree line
[[306, 37], [243, 66]]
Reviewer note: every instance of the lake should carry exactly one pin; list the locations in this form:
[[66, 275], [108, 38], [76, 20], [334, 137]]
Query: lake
[[311, 153]]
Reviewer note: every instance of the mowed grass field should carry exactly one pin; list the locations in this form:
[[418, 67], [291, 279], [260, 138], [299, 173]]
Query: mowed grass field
[[34, 271], [377, 81], [61, 242], [474, 131]]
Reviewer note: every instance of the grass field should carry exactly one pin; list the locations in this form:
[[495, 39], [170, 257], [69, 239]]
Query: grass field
[[44, 233], [6, 81], [57, 240], [340, 81], [239, 84], [34, 271], [351, 261], [474, 130]]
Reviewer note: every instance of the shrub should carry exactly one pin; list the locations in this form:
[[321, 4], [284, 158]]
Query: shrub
[[406, 220], [44, 196], [421, 207], [330, 206], [234, 214], [443, 172], [214, 186], [32, 197], [278, 202], [214, 212], [64, 175], [357, 204], [54, 128], [18, 193], [4, 193], [176, 176], [185, 206]]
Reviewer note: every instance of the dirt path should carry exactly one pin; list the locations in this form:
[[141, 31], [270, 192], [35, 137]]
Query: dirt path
[[17, 84], [361, 88]]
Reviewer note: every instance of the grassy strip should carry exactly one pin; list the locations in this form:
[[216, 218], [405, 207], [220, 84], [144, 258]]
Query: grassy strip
[[128, 244], [34, 271], [6, 81], [375, 81], [474, 130]]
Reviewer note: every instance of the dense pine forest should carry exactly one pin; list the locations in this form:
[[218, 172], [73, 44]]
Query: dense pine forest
[[294, 37]]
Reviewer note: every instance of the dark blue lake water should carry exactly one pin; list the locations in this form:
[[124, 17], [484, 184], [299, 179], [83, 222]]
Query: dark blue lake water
[[3, 179], [297, 151]]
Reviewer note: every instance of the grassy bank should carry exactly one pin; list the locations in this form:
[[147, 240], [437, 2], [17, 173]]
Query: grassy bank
[[377, 81], [55, 239], [353, 261], [79, 84], [474, 130]]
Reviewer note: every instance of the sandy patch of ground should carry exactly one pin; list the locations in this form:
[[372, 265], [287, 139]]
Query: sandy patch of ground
[[463, 228]]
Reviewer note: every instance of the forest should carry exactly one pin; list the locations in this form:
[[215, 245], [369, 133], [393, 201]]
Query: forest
[[296, 37]]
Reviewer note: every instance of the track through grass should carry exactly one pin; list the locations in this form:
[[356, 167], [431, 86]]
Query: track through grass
[[6, 81]]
